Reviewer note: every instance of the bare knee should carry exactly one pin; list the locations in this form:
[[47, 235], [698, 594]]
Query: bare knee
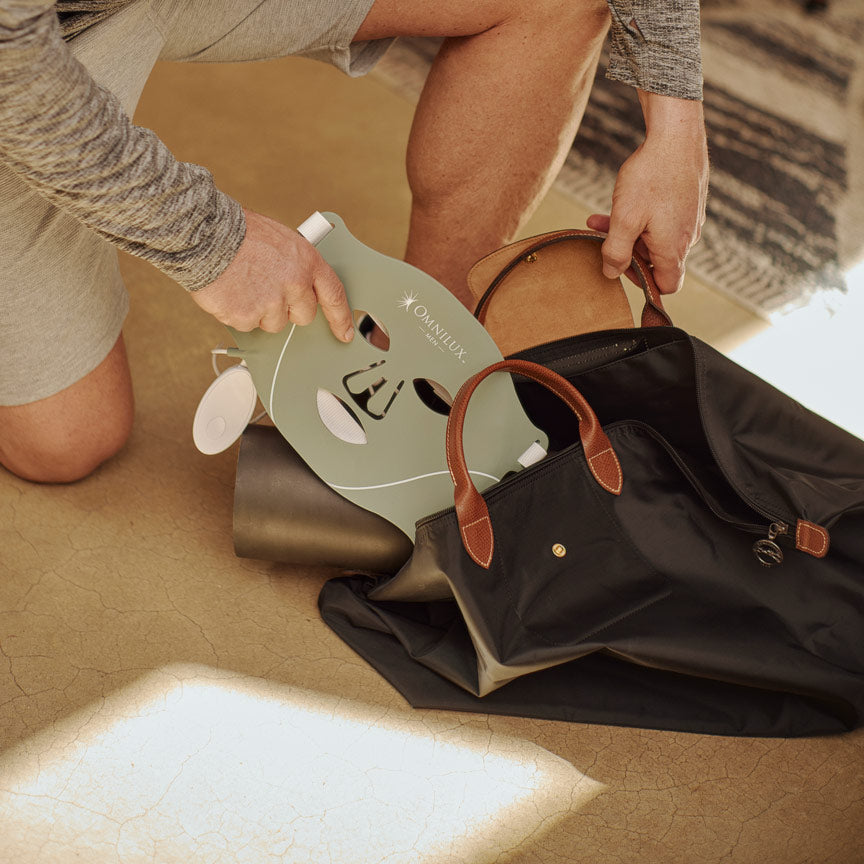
[[67, 436], [63, 459]]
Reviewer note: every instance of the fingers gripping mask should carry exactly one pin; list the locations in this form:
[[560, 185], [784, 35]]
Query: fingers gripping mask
[[369, 417]]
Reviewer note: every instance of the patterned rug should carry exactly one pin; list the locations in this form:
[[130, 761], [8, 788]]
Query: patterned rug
[[784, 107]]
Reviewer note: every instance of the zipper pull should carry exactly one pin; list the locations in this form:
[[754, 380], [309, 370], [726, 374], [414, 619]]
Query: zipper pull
[[767, 552]]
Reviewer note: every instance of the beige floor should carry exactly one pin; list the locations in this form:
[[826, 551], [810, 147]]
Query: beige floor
[[163, 701]]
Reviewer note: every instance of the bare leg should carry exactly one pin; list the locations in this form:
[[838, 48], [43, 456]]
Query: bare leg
[[68, 435], [496, 118]]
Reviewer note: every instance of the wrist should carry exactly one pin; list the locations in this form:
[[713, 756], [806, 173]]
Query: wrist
[[669, 115]]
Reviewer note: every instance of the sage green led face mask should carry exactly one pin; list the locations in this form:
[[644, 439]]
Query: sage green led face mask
[[369, 417]]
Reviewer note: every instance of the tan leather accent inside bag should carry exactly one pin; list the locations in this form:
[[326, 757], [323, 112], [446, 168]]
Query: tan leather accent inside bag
[[556, 292]]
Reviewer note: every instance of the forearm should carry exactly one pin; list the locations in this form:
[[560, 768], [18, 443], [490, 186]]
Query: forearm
[[655, 46], [72, 142]]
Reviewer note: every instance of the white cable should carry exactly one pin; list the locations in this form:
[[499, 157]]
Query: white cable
[[407, 480], [221, 349]]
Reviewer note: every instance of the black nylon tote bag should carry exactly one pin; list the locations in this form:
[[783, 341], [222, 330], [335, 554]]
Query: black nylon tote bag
[[720, 589]]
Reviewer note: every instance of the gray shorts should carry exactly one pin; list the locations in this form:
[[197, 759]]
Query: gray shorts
[[62, 301]]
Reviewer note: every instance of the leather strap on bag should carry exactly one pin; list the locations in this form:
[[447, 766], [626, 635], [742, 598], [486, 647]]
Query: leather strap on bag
[[653, 313], [472, 513]]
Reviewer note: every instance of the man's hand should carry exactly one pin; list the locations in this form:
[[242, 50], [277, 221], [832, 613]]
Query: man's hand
[[658, 205], [276, 278]]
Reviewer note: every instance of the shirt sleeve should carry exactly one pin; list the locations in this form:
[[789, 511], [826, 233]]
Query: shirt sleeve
[[71, 141], [655, 46]]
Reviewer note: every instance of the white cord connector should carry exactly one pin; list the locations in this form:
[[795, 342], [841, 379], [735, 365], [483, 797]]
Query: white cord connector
[[315, 228], [532, 455]]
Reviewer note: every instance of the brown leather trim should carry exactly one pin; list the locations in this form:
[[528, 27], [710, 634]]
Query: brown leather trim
[[653, 312], [610, 470], [471, 510], [812, 539], [478, 540]]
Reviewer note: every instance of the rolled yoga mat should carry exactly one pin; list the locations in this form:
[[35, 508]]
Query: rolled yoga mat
[[284, 512]]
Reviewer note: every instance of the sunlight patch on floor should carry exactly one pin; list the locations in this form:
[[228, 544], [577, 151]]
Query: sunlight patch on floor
[[816, 357], [195, 764]]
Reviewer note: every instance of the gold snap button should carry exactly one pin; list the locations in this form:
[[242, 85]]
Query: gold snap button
[[559, 550], [531, 258]]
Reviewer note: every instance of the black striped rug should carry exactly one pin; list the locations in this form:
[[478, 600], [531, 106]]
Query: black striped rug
[[784, 107]]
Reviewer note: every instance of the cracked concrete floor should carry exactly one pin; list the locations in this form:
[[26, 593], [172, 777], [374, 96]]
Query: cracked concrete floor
[[163, 701]]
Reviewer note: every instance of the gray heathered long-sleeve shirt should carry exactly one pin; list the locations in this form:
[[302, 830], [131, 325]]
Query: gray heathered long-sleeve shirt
[[71, 141]]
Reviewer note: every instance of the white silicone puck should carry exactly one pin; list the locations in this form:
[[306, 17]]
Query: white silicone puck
[[224, 411]]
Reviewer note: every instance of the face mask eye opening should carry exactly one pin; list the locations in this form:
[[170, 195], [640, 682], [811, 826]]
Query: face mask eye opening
[[371, 329], [433, 395], [339, 419]]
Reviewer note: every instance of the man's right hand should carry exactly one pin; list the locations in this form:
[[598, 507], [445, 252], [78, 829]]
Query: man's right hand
[[276, 278], [658, 204]]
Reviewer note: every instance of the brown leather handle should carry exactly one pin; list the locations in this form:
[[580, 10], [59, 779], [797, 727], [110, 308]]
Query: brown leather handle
[[653, 313], [471, 510]]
